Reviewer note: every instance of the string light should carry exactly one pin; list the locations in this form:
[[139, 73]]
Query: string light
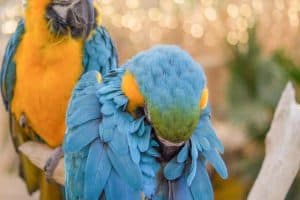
[[197, 30], [9, 26], [179, 1], [210, 13], [232, 10], [154, 14], [132, 4], [180, 21]]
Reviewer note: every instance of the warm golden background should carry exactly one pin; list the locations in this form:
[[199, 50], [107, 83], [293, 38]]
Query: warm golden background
[[248, 48]]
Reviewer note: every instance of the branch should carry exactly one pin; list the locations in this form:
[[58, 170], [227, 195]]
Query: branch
[[282, 160], [38, 154]]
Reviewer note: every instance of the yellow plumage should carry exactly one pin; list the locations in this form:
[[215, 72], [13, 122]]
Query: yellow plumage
[[131, 89], [48, 68], [204, 99]]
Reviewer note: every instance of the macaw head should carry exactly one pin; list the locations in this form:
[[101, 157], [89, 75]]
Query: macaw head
[[171, 88], [74, 16]]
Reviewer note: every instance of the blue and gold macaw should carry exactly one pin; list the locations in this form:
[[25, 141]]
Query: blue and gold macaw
[[144, 131], [55, 43]]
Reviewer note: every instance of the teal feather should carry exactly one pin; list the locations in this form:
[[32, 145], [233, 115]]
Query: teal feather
[[134, 152], [144, 142], [111, 146], [117, 188], [135, 125], [214, 158], [183, 154], [108, 109], [181, 190], [201, 187], [97, 171], [81, 136], [126, 169], [193, 167], [173, 169], [88, 110], [108, 89], [75, 164], [119, 145], [130, 144], [120, 101], [100, 53], [8, 69]]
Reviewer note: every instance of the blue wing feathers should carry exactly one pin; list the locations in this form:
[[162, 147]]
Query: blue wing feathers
[[116, 188], [100, 53], [97, 171], [181, 189], [214, 158], [117, 154], [81, 136], [8, 70], [85, 112], [96, 151], [201, 187], [126, 169]]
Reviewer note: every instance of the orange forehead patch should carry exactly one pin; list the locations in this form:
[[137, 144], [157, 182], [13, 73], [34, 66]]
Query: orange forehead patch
[[204, 98], [131, 91]]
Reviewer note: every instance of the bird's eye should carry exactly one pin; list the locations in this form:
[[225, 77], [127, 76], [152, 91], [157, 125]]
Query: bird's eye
[[204, 99], [139, 112]]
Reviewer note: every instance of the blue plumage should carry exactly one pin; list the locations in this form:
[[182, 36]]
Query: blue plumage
[[100, 53], [123, 156], [8, 70], [115, 146]]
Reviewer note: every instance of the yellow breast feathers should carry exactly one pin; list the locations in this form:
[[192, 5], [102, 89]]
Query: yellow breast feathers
[[47, 69]]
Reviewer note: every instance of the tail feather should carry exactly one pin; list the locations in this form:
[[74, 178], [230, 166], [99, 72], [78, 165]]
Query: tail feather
[[33, 177], [201, 187], [50, 190], [117, 188], [29, 173], [181, 190]]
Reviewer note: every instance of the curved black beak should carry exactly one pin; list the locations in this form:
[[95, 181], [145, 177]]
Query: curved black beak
[[81, 17], [78, 16]]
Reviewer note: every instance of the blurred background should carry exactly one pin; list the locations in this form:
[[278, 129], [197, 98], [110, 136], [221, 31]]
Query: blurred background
[[248, 48]]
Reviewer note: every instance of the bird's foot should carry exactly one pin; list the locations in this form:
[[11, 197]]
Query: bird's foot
[[52, 162]]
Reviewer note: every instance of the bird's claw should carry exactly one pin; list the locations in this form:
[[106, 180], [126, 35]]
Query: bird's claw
[[52, 162]]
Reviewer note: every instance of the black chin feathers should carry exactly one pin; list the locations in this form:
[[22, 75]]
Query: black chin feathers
[[70, 25]]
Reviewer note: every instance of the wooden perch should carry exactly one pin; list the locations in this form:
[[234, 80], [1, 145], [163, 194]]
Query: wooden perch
[[281, 164], [38, 154], [282, 160]]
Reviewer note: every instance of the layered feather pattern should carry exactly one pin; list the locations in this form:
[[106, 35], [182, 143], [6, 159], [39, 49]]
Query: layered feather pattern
[[111, 154], [106, 153]]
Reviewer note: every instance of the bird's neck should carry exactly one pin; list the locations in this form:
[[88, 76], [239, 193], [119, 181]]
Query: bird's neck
[[35, 19], [168, 149]]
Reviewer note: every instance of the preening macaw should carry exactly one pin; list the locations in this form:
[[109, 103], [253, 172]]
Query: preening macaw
[[55, 43], [144, 131]]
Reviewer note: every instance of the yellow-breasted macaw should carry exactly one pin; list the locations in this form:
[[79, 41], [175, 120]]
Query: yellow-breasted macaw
[[144, 131], [55, 43]]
